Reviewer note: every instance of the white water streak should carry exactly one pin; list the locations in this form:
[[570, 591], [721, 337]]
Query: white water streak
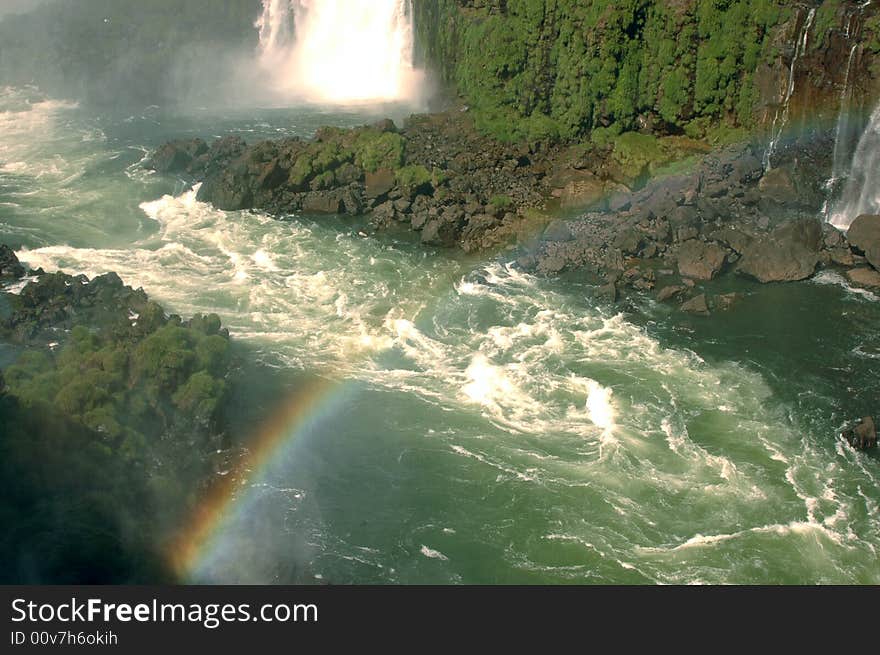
[[781, 119]]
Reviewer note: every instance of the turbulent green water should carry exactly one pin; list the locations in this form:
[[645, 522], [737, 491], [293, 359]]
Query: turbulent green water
[[486, 426]]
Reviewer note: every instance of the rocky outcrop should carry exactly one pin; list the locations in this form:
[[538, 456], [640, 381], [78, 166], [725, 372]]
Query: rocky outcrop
[[788, 254], [864, 235], [176, 156], [437, 174], [681, 219], [861, 436], [864, 277], [10, 267]]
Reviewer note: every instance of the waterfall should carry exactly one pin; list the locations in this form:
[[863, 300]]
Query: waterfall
[[781, 119], [842, 130], [861, 195], [339, 51]]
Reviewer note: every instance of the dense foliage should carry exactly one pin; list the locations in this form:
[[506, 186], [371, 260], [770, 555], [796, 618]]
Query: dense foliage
[[110, 411], [560, 68]]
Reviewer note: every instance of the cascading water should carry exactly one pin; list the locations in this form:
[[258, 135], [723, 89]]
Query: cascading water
[[861, 195], [781, 118], [339, 51], [842, 130], [845, 136]]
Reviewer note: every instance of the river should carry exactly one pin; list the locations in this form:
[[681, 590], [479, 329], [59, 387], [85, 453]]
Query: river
[[473, 424]]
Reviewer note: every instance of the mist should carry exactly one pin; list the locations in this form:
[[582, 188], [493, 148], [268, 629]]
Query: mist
[[9, 7], [128, 53], [206, 55]]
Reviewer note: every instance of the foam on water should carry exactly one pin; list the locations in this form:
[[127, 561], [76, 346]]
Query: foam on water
[[585, 399], [647, 461], [830, 277]]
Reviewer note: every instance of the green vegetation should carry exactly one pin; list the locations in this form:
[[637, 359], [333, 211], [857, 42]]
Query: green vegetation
[[366, 148], [121, 417], [548, 69], [501, 202], [413, 179], [374, 150], [128, 391]]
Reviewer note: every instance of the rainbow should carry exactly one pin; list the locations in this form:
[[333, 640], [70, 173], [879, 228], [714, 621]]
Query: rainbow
[[200, 535], [305, 407]]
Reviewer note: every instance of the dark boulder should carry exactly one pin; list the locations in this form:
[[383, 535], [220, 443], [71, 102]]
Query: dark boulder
[[699, 260], [862, 435], [176, 156], [865, 277], [727, 301], [378, 184], [558, 231], [864, 236], [790, 253], [322, 203], [10, 267], [698, 305], [439, 232], [672, 291], [607, 292]]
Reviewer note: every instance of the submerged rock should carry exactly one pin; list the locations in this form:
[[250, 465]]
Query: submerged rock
[[862, 435], [666, 293], [698, 305]]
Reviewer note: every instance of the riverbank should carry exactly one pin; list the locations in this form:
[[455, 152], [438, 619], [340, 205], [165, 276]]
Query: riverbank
[[638, 213]]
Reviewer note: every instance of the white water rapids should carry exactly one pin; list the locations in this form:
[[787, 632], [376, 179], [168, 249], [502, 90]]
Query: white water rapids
[[339, 51]]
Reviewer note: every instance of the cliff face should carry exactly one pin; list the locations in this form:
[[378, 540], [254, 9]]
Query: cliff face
[[563, 68]]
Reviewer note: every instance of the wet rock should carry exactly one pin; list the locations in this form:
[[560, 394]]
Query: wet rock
[[551, 264], [585, 193], [864, 236], [607, 292], [378, 184], [865, 277], [790, 253], [440, 232], [863, 435], [629, 241], [672, 291], [727, 301], [176, 156], [699, 260], [558, 231], [734, 238], [642, 280], [697, 305], [833, 238], [322, 203], [10, 267], [777, 189], [385, 214]]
